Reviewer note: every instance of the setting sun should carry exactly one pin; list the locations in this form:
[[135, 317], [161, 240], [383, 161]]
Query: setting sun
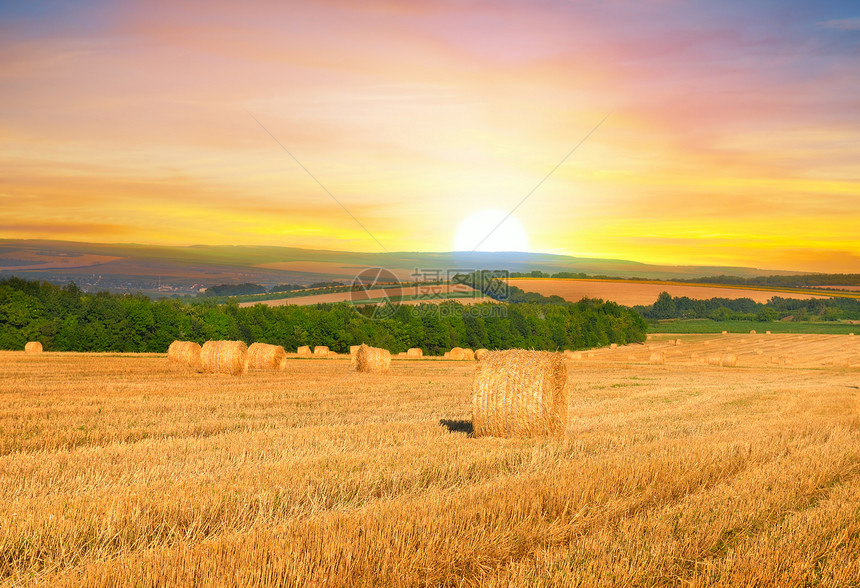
[[490, 230]]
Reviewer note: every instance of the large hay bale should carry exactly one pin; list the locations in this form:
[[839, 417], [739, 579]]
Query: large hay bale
[[457, 353], [402, 355], [729, 360], [321, 351], [613, 345], [752, 332], [371, 360], [520, 393], [767, 332], [33, 347], [658, 358], [353, 348], [304, 351], [446, 355], [224, 357], [714, 360], [480, 353], [415, 353], [572, 354], [469, 355], [262, 356], [725, 332], [184, 355]]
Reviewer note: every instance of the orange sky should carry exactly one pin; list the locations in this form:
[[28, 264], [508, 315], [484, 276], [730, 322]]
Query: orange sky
[[734, 137]]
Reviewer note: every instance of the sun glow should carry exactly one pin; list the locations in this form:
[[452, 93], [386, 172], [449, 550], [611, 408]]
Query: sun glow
[[479, 232]]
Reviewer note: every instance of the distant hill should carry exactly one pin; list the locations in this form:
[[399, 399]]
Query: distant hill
[[181, 270]]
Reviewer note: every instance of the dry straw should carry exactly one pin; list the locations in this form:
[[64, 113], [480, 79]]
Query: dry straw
[[714, 360], [767, 332], [224, 357], [304, 351], [469, 354], [480, 353], [729, 360], [457, 353], [33, 347], [725, 332], [321, 351], [613, 345], [371, 360], [572, 354], [415, 353], [520, 393], [184, 355], [658, 358], [752, 332], [262, 356], [677, 342], [446, 355]]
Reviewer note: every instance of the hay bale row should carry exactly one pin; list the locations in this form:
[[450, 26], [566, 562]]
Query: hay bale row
[[33, 347], [658, 358], [457, 353], [262, 356], [480, 353], [520, 393], [184, 355], [224, 357], [368, 359]]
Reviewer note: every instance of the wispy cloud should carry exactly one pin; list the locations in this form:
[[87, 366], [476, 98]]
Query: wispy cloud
[[842, 24]]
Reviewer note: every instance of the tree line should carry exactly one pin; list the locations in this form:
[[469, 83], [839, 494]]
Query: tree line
[[777, 308], [68, 319]]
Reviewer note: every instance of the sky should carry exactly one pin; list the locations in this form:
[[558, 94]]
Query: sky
[[732, 135]]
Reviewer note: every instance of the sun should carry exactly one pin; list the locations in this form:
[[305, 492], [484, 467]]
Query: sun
[[472, 234]]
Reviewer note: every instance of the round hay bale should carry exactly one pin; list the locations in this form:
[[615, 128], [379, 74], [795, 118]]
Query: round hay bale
[[714, 360], [371, 360], [729, 360], [752, 332], [184, 355], [33, 347], [572, 354], [469, 355], [262, 356], [519, 393], [480, 353], [774, 359], [457, 353], [613, 345], [446, 355], [759, 352], [658, 358], [415, 353], [767, 332], [402, 354], [304, 351], [224, 357], [648, 337], [725, 332], [676, 342], [321, 351]]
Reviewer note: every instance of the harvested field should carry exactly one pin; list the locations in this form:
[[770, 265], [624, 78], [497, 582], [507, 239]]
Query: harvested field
[[632, 293], [115, 470], [459, 292]]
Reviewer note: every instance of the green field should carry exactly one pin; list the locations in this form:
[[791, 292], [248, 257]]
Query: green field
[[709, 326]]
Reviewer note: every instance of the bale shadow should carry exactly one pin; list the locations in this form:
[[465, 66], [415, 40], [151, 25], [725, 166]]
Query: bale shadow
[[456, 426]]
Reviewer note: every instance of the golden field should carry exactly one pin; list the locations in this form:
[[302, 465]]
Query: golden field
[[631, 293], [115, 470]]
